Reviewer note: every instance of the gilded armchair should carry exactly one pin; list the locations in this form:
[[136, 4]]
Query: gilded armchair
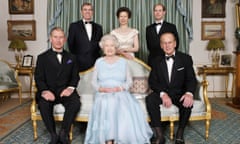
[[9, 81]]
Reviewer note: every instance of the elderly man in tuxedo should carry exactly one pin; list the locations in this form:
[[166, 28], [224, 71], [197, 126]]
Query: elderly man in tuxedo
[[56, 77], [83, 38], [173, 81], [154, 31]]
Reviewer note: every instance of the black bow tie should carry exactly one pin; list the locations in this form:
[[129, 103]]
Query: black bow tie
[[157, 24], [88, 22], [168, 57], [58, 52]]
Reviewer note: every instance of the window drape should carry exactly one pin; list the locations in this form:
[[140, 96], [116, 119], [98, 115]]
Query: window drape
[[63, 12]]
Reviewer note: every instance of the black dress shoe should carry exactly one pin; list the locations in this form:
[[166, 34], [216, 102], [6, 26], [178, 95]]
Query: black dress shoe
[[179, 141]]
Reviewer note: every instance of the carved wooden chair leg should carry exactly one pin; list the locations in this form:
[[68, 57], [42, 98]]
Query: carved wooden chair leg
[[171, 129], [35, 130], [207, 128], [20, 95]]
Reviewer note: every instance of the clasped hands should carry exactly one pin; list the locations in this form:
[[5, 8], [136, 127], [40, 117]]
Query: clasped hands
[[186, 98], [110, 90], [49, 96]]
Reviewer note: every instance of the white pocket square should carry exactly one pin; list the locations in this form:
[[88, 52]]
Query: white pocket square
[[180, 69]]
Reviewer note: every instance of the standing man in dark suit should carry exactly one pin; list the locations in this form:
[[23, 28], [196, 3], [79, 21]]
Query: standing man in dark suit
[[56, 77], [83, 38], [173, 81], [154, 31]]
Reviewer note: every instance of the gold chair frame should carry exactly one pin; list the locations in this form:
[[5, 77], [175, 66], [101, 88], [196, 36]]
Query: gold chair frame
[[207, 116]]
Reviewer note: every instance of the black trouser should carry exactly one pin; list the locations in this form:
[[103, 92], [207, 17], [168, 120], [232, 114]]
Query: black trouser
[[72, 106], [153, 102]]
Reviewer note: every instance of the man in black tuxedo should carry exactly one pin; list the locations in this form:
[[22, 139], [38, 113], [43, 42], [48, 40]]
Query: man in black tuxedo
[[83, 38], [173, 81], [154, 31], [56, 77]]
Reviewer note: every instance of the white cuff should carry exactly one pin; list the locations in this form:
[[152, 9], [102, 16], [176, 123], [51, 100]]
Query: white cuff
[[189, 93], [161, 94]]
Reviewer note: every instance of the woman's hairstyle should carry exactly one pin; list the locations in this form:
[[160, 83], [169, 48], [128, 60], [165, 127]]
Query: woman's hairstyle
[[124, 9], [109, 37]]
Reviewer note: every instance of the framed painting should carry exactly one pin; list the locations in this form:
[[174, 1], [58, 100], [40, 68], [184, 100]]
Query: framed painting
[[21, 6], [213, 8], [213, 30], [25, 30], [27, 61]]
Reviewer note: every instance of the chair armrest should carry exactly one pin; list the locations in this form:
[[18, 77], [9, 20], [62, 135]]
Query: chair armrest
[[17, 78], [205, 97]]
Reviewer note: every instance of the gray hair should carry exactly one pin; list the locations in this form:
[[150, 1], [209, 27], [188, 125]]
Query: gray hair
[[109, 37]]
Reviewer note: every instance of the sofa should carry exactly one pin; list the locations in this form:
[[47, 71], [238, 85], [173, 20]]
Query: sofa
[[140, 72], [9, 81]]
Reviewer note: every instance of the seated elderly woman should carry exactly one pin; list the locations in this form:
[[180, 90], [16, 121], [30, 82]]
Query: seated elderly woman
[[115, 110]]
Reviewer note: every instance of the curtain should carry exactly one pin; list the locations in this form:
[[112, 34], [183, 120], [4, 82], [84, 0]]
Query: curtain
[[63, 12]]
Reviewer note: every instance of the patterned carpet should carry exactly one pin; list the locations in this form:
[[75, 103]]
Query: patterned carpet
[[13, 115], [224, 129]]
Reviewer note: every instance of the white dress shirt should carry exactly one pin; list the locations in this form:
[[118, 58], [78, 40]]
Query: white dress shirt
[[88, 27]]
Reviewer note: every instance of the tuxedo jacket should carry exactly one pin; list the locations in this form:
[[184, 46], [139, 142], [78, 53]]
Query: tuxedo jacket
[[51, 75], [153, 39], [183, 77], [86, 51]]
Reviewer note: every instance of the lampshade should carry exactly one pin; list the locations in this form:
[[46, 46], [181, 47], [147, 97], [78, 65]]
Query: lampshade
[[215, 44], [17, 44]]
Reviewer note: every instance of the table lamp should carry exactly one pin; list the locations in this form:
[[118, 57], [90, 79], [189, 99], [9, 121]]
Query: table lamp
[[18, 46], [215, 45]]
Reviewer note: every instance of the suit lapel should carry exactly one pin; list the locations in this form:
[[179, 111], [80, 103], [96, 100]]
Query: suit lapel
[[153, 30], [82, 26], [93, 30], [63, 64], [174, 69], [163, 66], [162, 28], [176, 64]]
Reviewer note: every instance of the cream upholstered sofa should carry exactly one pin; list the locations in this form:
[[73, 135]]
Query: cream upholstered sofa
[[9, 81], [140, 72]]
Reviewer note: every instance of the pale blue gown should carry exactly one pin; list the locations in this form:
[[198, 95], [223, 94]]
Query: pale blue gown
[[116, 116]]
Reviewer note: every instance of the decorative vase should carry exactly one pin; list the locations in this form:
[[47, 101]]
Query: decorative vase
[[215, 58], [18, 57]]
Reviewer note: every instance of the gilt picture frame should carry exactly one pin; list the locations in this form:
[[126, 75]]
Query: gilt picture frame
[[213, 30], [21, 6], [213, 8], [25, 30]]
